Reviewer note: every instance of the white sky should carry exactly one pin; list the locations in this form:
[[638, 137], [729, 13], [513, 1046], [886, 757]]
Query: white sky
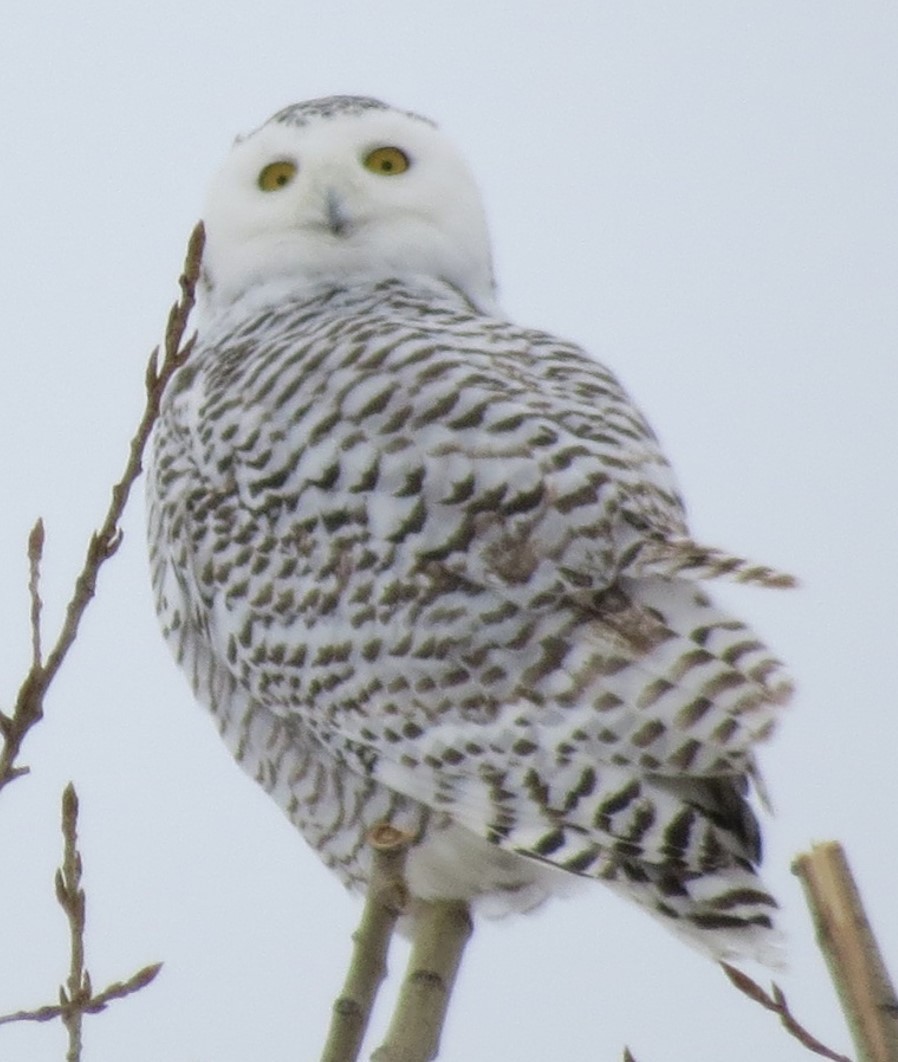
[[701, 193]]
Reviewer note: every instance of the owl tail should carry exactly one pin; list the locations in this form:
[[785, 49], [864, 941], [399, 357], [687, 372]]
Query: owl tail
[[680, 557], [727, 915]]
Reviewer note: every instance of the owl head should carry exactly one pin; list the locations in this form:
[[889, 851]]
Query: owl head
[[344, 190]]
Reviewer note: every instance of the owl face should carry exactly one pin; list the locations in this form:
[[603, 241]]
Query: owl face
[[344, 197]]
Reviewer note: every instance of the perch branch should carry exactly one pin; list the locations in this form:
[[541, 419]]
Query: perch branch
[[851, 952], [386, 899], [442, 928], [29, 706]]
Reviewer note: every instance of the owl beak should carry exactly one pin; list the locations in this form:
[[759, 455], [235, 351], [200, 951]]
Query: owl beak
[[337, 216]]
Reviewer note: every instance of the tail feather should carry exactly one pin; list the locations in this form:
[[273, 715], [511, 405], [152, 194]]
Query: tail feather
[[728, 916], [681, 557]]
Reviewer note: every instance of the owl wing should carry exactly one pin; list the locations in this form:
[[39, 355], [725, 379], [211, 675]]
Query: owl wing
[[468, 573]]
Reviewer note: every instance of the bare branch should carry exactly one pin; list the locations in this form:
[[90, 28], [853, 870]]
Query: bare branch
[[76, 996], [855, 962], [117, 990], [76, 991], [105, 541], [35, 554], [777, 1003], [386, 899], [442, 928]]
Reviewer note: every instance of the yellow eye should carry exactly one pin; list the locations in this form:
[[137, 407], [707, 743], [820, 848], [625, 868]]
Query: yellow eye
[[388, 161], [276, 175]]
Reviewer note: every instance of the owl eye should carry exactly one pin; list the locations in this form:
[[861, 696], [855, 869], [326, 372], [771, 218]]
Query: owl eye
[[276, 175], [387, 160]]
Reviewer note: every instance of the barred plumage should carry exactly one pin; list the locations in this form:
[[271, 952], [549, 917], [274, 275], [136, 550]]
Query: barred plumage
[[426, 565]]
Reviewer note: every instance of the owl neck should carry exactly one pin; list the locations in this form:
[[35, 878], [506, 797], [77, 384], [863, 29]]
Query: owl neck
[[333, 292]]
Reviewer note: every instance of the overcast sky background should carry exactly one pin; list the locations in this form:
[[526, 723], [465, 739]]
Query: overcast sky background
[[703, 194]]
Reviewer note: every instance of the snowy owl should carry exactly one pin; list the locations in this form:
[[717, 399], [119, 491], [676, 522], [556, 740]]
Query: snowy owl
[[430, 567]]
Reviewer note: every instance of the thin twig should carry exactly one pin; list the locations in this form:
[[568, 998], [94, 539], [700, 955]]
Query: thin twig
[[76, 997], [35, 554], [385, 901], [442, 928], [105, 541], [76, 991], [855, 962], [777, 1003], [117, 990]]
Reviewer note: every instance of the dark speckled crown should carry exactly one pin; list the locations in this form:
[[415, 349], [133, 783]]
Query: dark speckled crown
[[300, 114]]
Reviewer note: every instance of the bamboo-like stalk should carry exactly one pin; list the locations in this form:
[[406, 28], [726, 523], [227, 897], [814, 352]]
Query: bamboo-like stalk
[[442, 929], [851, 952], [385, 901]]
